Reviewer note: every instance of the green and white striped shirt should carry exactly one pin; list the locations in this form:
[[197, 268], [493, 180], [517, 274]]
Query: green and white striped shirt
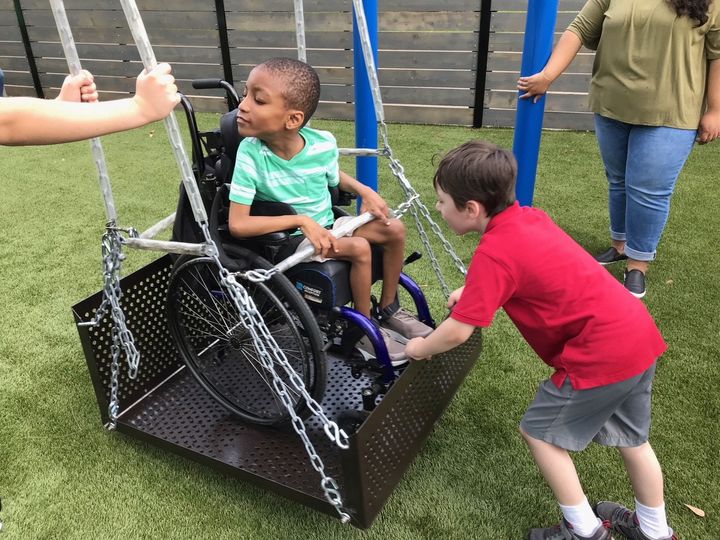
[[302, 181]]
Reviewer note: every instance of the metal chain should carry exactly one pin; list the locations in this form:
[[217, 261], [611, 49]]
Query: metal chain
[[122, 338], [270, 355], [399, 173]]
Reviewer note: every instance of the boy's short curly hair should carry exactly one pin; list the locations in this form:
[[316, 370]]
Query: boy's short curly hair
[[478, 171], [302, 84]]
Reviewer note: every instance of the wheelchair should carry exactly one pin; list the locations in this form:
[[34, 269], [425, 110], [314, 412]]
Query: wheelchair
[[305, 309]]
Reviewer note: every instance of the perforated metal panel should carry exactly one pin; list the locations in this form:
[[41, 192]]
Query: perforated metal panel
[[166, 406]]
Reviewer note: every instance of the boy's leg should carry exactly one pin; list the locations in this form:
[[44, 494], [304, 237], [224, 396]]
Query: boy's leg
[[559, 472], [649, 521], [562, 419], [645, 474], [392, 238], [357, 251]]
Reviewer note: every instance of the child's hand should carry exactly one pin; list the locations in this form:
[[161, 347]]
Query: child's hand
[[79, 88], [376, 205], [414, 349], [534, 86], [324, 242], [455, 296], [156, 94]]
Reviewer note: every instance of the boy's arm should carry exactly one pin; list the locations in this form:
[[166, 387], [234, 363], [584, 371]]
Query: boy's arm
[[448, 335], [41, 121], [371, 201], [243, 225]]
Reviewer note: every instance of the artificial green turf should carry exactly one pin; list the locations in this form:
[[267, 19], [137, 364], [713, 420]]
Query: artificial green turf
[[63, 476]]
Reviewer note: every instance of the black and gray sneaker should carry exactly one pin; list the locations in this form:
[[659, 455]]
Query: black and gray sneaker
[[634, 282], [610, 256], [622, 520], [564, 531]]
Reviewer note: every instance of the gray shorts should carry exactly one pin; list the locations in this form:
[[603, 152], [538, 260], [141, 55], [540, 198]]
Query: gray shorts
[[612, 415]]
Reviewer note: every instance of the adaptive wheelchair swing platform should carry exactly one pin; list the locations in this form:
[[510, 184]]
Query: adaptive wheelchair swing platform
[[164, 400], [166, 406]]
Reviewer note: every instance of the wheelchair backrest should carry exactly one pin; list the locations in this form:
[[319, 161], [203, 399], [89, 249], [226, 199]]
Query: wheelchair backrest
[[231, 141]]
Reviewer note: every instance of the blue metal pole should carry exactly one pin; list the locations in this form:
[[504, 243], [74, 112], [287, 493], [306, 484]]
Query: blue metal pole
[[366, 134], [539, 34]]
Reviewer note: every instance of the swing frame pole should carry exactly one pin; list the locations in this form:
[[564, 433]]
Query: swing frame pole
[[537, 47], [366, 133]]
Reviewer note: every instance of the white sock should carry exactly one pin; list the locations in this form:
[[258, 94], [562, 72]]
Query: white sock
[[653, 521], [582, 518]]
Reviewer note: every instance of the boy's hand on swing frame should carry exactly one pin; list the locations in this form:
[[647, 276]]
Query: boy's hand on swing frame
[[414, 347]]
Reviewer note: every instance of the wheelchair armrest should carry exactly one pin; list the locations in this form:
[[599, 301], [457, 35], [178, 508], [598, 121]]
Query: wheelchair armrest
[[341, 198], [269, 238], [267, 208]]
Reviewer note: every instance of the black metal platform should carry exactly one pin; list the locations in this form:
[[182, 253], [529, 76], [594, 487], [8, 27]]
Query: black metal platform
[[167, 407]]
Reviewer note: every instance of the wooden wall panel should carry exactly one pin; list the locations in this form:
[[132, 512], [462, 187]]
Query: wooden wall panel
[[428, 52]]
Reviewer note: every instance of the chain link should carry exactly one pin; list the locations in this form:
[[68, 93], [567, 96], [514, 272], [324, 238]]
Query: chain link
[[122, 338]]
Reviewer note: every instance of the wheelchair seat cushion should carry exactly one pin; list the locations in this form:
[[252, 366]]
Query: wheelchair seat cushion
[[323, 285]]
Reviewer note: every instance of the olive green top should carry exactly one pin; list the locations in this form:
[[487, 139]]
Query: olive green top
[[650, 67]]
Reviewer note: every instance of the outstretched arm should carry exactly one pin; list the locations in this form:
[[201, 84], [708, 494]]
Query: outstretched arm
[[565, 51], [39, 121], [448, 335]]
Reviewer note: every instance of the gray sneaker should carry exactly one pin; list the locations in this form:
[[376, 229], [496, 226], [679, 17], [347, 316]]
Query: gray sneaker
[[403, 322], [564, 531], [396, 351], [624, 521]]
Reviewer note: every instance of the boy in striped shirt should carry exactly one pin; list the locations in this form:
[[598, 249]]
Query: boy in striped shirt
[[280, 159]]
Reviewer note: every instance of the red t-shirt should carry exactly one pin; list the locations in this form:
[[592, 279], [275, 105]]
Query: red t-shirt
[[577, 317]]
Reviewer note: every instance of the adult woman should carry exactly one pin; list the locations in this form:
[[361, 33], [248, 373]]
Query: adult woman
[[655, 90]]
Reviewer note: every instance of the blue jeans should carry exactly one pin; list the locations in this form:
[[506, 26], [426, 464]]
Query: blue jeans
[[642, 164]]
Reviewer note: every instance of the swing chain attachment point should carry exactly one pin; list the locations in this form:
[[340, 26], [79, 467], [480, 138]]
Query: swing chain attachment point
[[122, 338]]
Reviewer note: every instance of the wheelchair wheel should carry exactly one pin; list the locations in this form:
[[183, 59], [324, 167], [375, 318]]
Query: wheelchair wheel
[[221, 353]]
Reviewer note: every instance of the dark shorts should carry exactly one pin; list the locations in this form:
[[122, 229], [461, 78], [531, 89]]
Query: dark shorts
[[612, 415]]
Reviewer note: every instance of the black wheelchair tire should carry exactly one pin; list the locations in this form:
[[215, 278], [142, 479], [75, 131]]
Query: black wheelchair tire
[[202, 320]]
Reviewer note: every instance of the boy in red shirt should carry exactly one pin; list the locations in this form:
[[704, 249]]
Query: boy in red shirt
[[601, 341]]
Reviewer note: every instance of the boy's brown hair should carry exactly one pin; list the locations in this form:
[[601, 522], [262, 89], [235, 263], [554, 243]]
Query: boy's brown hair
[[478, 171], [302, 84]]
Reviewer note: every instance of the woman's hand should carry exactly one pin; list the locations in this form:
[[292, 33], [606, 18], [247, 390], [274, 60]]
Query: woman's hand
[[709, 128], [534, 86], [320, 237]]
